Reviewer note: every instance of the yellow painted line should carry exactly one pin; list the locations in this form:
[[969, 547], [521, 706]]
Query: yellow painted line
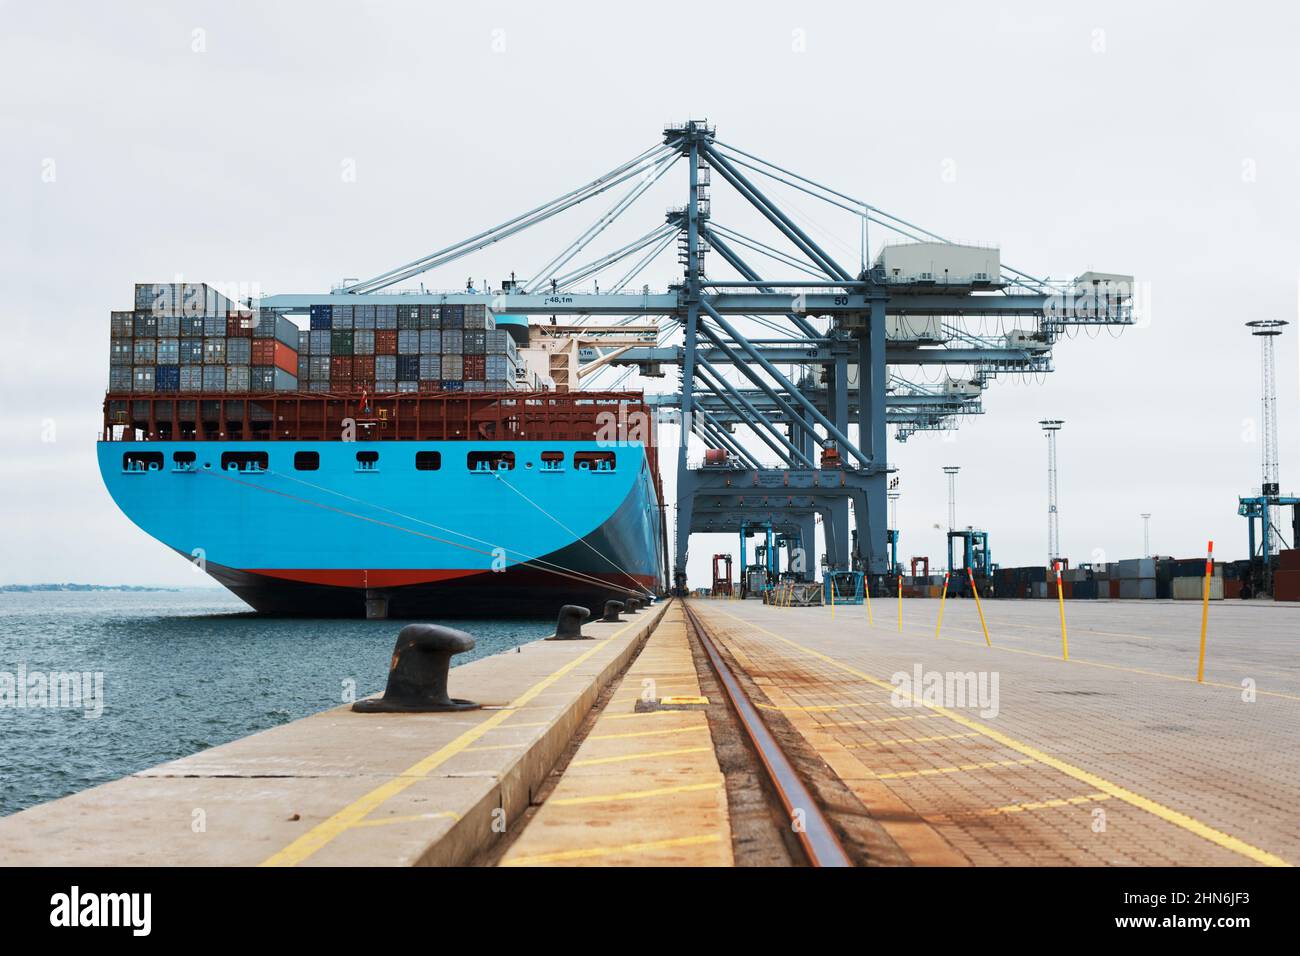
[[1118, 667], [536, 723], [961, 768], [411, 818], [653, 733], [1132, 670], [475, 750], [634, 794], [329, 829], [1169, 815], [1047, 804], [594, 761], [635, 714], [596, 852]]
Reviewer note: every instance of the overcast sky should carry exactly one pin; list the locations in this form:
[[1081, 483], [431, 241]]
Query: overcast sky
[[289, 145]]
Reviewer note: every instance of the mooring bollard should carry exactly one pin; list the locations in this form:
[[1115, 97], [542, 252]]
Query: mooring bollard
[[633, 605], [417, 676], [611, 612], [569, 625]]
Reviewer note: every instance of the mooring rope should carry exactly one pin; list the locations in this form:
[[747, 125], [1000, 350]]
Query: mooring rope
[[558, 570], [569, 531]]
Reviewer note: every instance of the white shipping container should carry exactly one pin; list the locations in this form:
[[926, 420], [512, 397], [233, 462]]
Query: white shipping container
[[1193, 589]]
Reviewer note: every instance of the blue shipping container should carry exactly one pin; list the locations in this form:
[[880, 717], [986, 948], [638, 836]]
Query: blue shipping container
[[167, 378]]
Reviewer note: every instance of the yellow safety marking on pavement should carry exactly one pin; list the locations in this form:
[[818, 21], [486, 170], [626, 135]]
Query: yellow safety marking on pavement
[[535, 723], [593, 761], [599, 851], [1047, 804], [683, 699], [409, 818], [636, 714], [884, 742], [1169, 815], [634, 794], [475, 750], [961, 768], [1119, 667], [1131, 670], [651, 733], [329, 829]]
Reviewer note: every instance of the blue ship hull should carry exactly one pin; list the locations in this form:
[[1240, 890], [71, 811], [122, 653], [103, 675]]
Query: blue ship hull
[[460, 539]]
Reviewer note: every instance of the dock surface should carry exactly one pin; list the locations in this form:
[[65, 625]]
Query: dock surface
[[1116, 757], [914, 748], [342, 788], [644, 788]]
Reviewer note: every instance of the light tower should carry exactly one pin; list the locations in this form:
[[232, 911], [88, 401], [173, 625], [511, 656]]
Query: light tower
[[951, 472], [1146, 535], [1267, 330], [1050, 427]]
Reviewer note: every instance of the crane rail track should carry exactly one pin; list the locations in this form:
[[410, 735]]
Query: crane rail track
[[816, 836]]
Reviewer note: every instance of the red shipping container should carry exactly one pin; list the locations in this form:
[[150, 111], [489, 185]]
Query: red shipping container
[[273, 352], [386, 341], [363, 369], [1286, 586], [341, 370], [1231, 588], [1289, 560], [239, 327], [475, 369], [286, 357], [431, 386], [1114, 589]]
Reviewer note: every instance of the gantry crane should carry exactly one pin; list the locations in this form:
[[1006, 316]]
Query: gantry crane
[[816, 438]]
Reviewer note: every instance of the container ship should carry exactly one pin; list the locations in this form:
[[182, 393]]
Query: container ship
[[401, 455]]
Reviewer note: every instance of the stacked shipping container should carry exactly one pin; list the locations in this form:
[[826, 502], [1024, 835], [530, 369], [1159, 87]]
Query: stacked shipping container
[[186, 337], [406, 348], [189, 338]]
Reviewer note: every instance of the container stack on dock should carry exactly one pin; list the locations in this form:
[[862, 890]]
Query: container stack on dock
[[1180, 579], [1286, 579], [187, 337], [406, 348]]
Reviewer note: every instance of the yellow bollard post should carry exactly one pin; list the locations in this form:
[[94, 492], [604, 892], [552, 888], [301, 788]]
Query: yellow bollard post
[[942, 598], [866, 594], [979, 607], [1060, 599], [1205, 611], [900, 604]]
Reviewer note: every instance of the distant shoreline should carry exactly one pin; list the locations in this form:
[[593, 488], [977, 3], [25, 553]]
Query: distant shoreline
[[81, 587]]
